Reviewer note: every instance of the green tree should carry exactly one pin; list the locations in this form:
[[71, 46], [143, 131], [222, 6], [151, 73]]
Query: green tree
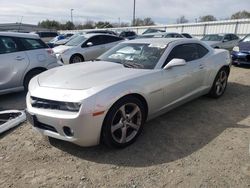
[[49, 24], [101, 24], [241, 15], [207, 18], [181, 19]]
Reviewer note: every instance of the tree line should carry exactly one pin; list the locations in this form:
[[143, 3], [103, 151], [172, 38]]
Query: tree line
[[53, 24]]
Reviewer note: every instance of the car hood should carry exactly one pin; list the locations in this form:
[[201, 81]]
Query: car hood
[[212, 43], [61, 49], [244, 46], [86, 75]]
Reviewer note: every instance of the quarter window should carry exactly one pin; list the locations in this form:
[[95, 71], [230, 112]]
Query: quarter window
[[7, 45], [32, 44]]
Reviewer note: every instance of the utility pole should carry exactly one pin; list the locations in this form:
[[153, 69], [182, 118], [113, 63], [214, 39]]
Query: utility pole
[[20, 24], [71, 13], [134, 13]]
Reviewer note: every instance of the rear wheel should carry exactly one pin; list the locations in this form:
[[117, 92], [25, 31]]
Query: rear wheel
[[123, 123], [29, 76], [220, 84], [76, 59]]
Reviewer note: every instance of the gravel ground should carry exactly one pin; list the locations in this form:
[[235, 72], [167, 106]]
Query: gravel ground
[[204, 143]]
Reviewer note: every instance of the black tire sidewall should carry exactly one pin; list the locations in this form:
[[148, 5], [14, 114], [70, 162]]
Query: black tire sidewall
[[29, 76], [106, 129], [213, 90], [76, 55]]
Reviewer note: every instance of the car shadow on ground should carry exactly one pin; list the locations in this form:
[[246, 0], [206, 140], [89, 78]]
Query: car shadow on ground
[[176, 134], [13, 101]]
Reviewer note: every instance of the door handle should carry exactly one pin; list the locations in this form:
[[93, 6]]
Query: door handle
[[19, 58], [201, 66]]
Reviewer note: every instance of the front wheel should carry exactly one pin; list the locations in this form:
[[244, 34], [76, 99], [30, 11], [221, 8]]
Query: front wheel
[[220, 84], [123, 122], [76, 59]]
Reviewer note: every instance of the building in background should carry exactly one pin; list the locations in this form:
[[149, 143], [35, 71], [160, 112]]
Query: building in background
[[20, 27]]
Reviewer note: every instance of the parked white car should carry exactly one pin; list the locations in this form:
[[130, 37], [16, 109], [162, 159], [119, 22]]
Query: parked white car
[[23, 56], [224, 41], [85, 47], [110, 99]]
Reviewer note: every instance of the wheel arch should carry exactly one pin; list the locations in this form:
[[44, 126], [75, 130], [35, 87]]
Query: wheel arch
[[32, 70], [76, 54], [136, 95]]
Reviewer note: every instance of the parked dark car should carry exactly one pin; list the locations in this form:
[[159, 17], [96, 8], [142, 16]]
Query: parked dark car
[[187, 35], [128, 35], [102, 31], [241, 52], [153, 31]]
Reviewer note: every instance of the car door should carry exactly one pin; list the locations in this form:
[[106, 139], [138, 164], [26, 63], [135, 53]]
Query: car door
[[227, 42], [13, 63], [184, 81], [235, 40], [93, 47]]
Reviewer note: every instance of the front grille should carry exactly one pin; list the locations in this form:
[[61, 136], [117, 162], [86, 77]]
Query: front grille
[[44, 103]]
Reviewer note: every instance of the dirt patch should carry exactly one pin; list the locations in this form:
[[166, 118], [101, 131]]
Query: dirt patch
[[204, 143]]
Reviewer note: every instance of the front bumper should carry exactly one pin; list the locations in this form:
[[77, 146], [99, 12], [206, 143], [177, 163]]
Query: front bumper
[[62, 58], [85, 127], [240, 58]]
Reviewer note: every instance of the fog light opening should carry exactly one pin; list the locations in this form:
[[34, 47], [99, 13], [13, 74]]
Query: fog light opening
[[68, 131]]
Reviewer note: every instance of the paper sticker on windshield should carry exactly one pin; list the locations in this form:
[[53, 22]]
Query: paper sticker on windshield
[[157, 46]]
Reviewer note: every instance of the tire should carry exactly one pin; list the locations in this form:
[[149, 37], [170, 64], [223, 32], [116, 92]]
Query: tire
[[119, 130], [220, 84], [76, 59], [29, 76]]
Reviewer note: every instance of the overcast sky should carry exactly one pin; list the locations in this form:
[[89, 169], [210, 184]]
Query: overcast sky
[[162, 11]]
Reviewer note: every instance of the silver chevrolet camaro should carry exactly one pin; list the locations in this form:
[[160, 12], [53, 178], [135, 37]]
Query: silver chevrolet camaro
[[108, 100]]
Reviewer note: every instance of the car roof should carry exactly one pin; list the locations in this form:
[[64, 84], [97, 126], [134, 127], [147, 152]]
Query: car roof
[[160, 33], [88, 35], [24, 35], [160, 41]]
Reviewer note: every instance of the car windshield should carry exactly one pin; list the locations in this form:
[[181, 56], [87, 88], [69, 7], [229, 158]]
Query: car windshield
[[134, 55], [76, 41], [212, 38], [246, 39]]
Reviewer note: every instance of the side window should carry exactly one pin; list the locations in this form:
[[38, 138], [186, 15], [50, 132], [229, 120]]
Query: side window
[[96, 40], [7, 45], [227, 38], [234, 37], [32, 44], [188, 52], [110, 39], [202, 51]]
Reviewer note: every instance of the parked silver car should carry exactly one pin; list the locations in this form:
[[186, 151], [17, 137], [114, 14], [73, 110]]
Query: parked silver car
[[137, 80], [224, 41], [85, 47], [22, 57]]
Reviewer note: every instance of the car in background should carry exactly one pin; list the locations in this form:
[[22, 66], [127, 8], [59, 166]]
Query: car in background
[[162, 35], [51, 43], [130, 35], [150, 30], [109, 100], [85, 47], [187, 35], [109, 32], [67, 39], [23, 56], [46, 36], [224, 41], [241, 53]]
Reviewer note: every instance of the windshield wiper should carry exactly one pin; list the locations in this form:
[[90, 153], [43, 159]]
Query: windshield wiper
[[130, 64]]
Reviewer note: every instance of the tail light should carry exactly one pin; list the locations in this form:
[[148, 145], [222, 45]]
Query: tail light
[[50, 51]]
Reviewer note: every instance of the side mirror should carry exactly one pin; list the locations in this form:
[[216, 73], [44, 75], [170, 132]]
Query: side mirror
[[175, 63], [89, 44]]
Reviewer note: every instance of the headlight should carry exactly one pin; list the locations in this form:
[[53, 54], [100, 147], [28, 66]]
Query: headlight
[[68, 106], [236, 49]]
